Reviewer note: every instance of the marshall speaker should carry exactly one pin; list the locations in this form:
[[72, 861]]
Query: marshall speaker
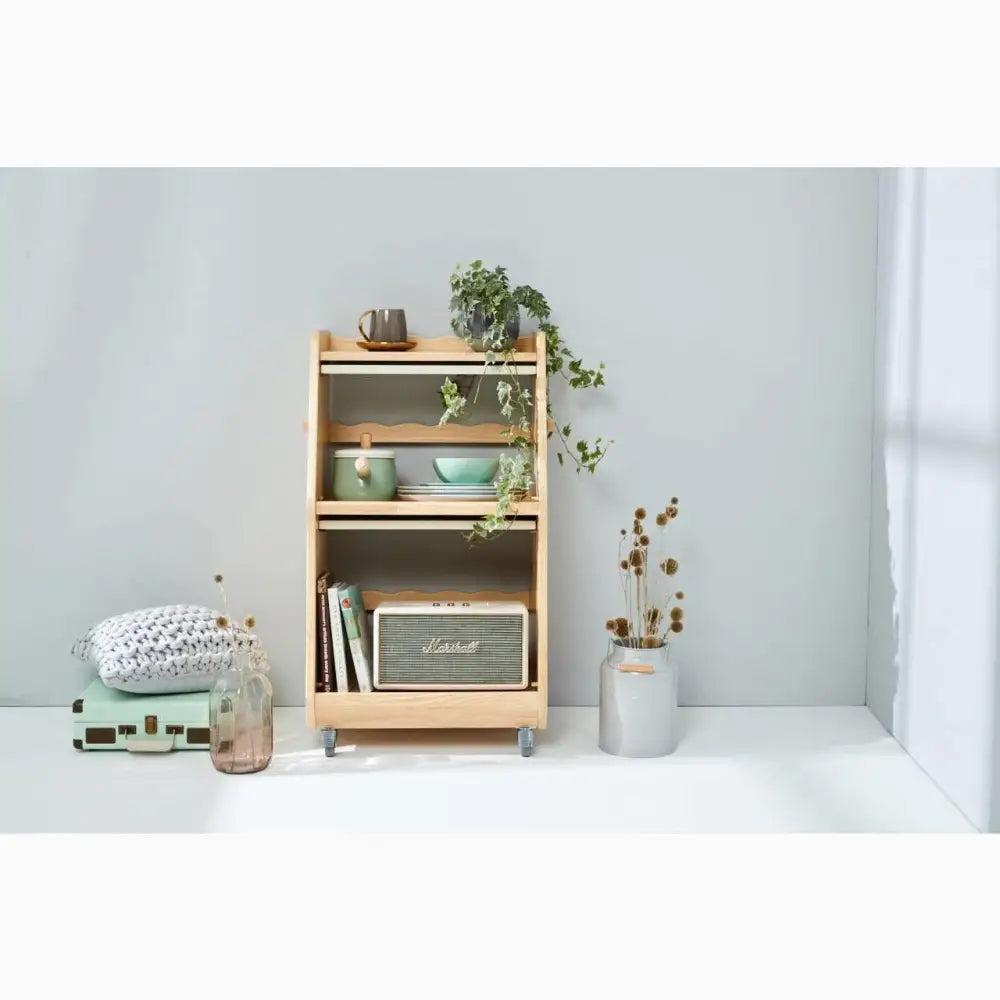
[[451, 646]]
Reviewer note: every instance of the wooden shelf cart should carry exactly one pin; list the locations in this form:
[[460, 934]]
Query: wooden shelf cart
[[333, 357]]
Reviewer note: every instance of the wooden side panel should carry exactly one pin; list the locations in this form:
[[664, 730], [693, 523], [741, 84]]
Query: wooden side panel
[[314, 475], [316, 420], [541, 536]]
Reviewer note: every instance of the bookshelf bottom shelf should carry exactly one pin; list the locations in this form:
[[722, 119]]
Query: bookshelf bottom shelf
[[430, 710]]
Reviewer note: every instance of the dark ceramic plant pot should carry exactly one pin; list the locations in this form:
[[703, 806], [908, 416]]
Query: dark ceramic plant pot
[[479, 324]]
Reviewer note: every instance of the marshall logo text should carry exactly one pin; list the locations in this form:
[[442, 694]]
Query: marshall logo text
[[440, 646]]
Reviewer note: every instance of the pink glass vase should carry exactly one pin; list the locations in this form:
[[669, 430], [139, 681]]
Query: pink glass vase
[[241, 729]]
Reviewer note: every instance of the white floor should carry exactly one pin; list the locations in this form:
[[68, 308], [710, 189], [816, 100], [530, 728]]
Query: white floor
[[737, 770]]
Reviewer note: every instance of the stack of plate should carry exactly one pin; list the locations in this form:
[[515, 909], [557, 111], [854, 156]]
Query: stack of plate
[[448, 491]]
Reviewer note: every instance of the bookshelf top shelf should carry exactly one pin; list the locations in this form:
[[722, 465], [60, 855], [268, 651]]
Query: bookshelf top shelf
[[444, 350]]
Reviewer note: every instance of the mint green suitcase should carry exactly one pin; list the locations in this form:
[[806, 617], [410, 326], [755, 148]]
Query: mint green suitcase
[[107, 719]]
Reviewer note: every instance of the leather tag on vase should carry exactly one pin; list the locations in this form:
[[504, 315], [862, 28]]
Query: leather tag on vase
[[635, 668]]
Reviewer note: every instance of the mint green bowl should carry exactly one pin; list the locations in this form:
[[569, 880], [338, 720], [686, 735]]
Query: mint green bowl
[[466, 470]]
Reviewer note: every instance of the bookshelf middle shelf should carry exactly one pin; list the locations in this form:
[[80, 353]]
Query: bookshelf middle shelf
[[420, 508]]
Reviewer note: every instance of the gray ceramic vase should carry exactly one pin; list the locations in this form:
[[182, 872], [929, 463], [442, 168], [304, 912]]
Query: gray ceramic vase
[[638, 713], [478, 324]]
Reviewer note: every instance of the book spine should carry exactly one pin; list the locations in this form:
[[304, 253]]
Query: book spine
[[352, 612], [324, 682], [339, 648]]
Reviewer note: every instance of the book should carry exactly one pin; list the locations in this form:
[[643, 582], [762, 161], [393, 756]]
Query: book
[[356, 628], [338, 639], [324, 659]]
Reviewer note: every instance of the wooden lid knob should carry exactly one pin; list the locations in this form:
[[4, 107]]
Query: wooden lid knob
[[366, 440]]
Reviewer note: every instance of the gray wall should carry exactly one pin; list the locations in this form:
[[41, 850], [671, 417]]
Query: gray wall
[[154, 328]]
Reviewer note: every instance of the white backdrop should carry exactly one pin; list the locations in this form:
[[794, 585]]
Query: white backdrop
[[154, 328]]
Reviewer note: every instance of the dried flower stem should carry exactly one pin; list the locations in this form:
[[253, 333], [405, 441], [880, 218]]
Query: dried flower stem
[[241, 640], [640, 582], [624, 576], [645, 590], [647, 622]]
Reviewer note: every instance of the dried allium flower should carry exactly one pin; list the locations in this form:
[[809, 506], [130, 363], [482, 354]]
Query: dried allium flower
[[610, 625], [217, 578], [635, 557], [676, 614], [624, 564], [621, 628], [222, 621], [676, 626], [644, 540], [638, 571], [674, 500], [679, 595], [670, 566], [249, 621], [661, 518], [624, 532], [640, 513], [671, 511]]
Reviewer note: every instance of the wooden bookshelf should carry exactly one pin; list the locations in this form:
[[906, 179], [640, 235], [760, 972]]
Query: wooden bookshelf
[[331, 357]]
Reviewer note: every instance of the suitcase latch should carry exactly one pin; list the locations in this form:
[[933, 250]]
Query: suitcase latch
[[137, 745], [150, 725]]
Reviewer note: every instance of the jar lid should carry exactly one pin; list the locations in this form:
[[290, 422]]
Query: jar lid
[[364, 453]]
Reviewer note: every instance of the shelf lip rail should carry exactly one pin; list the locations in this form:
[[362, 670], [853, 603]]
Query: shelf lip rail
[[412, 524], [433, 368]]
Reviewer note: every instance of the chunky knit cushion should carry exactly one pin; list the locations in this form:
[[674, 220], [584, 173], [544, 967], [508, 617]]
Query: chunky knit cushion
[[165, 650]]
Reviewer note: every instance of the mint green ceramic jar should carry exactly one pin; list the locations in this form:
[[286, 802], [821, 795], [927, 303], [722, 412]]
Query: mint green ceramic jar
[[364, 474]]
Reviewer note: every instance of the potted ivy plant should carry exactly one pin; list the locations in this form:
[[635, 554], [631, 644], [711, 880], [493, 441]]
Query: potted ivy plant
[[486, 315], [485, 312]]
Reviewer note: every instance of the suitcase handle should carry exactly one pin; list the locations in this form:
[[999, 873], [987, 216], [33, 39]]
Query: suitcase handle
[[137, 745]]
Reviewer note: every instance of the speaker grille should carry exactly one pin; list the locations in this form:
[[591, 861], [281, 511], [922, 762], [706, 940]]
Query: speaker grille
[[408, 644]]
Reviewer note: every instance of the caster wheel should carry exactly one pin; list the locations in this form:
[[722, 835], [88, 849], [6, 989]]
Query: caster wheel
[[526, 741], [330, 741]]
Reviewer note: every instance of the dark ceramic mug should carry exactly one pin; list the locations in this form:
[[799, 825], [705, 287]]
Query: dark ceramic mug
[[388, 326]]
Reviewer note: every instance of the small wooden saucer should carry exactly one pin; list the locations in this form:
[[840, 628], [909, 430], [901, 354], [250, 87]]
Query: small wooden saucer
[[382, 345]]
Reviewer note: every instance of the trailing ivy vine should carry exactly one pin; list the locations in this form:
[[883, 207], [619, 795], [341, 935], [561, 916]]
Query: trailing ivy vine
[[484, 310]]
